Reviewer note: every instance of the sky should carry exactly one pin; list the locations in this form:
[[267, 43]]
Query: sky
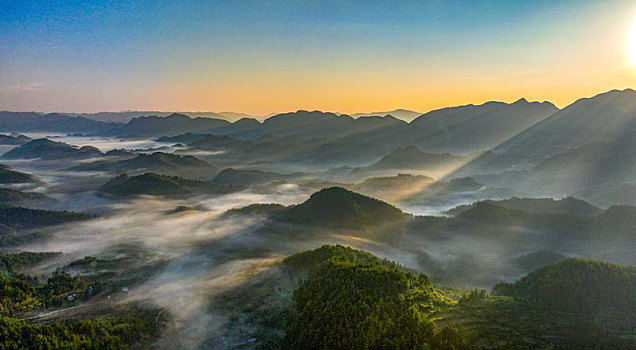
[[262, 57]]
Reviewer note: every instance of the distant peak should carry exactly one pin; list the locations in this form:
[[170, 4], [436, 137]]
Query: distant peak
[[178, 115], [521, 100]]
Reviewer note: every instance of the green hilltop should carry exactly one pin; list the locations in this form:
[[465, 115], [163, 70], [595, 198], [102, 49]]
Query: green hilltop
[[337, 207]]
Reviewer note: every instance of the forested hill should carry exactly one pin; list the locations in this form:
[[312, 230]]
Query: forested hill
[[577, 285], [353, 300], [158, 185], [15, 218], [339, 208]]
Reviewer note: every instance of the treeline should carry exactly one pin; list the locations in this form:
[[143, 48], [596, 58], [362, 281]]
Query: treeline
[[353, 300], [20, 293], [107, 333], [25, 218], [12, 262], [577, 285]]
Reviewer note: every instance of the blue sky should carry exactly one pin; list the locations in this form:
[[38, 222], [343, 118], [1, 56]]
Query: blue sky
[[266, 56]]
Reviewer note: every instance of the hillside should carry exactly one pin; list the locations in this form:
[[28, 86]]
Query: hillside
[[47, 149], [158, 185], [17, 218], [156, 162], [537, 259], [311, 260], [13, 139], [212, 142], [304, 125], [590, 165], [339, 208], [54, 122], [355, 300], [255, 210], [246, 177], [567, 205], [8, 176], [182, 138], [412, 158], [577, 285], [616, 222], [607, 117], [15, 197], [171, 125], [11, 263], [472, 128], [404, 114]]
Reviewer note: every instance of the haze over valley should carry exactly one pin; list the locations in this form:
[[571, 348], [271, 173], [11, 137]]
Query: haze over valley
[[502, 216]]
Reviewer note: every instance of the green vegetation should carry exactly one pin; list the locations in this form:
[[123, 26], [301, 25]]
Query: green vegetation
[[15, 218], [8, 176], [21, 296], [576, 284], [159, 185], [105, 333], [47, 149], [14, 197], [16, 294], [258, 209], [569, 205], [245, 177], [14, 262], [339, 208], [311, 260], [538, 259], [157, 162], [345, 305], [9, 237], [22, 292], [183, 209], [616, 222]]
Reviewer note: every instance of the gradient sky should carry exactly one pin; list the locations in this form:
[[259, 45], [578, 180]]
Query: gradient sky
[[260, 57]]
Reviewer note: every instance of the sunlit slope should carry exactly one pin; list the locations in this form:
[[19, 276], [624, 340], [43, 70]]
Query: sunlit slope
[[608, 117]]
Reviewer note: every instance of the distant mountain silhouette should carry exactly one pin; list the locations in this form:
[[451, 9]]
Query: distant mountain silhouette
[[166, 163], [47, 149], [14, 139], [403, 114], [53, 122], [567, 205], [608, 117], [245, 177], [171, 125], [158, 185], [411, 157]]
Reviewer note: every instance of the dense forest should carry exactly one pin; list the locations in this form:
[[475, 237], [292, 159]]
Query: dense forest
[[340, 208], [21, 294], [8, 176], [24, 218], [158, 185], [576, 284], [352, 299]]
